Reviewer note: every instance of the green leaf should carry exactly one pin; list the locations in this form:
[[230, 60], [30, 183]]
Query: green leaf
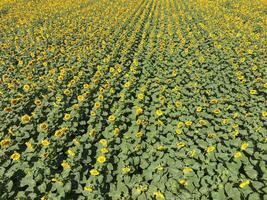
[[250, 172], [9, 186], [42, 187], [253, 196], [67, 186]]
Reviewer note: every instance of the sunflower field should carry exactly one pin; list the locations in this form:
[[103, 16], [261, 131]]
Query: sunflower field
[[133, 99]]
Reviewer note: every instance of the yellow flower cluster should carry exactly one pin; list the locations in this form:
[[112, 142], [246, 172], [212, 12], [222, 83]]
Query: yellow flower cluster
[[132, 99]]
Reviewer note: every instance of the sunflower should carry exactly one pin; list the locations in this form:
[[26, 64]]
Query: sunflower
[[43, 126], [210, 149], [139, 134], [199, 109], [80, 98], [15, 156], [26, 88], [104, 142], [71, 152], [88, 188], [116, 131], [45, 142], [183, 182], [244, 183], [8, 109], [5, 142], [158, 195], [140, 96], [25, 119], [14, 101], [67, 92], [29, 145], [37, 102], [237, 154], [126, 169], [101, 159], [67, 116], [65, 165], [178, 104], [158, 113], [111, 118], [97, 105], [217, 111], [138, 111], [244, 146], [188, 123], [253, 92], [94, 172]]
